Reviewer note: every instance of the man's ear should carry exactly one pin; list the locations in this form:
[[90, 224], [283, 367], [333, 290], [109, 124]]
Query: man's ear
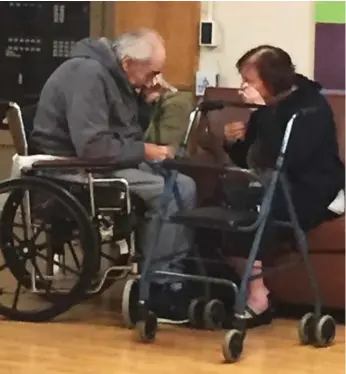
[[125, 63]]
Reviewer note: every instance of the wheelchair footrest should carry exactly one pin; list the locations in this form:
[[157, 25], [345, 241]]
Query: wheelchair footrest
[[212, 217]]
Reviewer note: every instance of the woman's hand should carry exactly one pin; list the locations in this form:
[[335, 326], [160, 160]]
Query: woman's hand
[[250, 95], [234, 131]]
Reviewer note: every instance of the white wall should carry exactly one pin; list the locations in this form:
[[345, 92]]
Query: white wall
[[246, 24]]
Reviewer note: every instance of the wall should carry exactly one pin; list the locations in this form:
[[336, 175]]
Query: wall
[[243, 25], [330, 44], [177, 22]]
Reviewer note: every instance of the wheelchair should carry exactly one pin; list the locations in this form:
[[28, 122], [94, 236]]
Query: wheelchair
[[61, 240], [314, 328]]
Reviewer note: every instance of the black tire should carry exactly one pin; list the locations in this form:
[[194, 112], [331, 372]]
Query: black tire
[[306, 329], [88, 245], [129, 304], [232, 347], [214, 315], [196, 313], [147, 328], [325, 331]]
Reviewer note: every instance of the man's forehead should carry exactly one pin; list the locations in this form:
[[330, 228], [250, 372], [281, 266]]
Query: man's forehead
[[157, 61]]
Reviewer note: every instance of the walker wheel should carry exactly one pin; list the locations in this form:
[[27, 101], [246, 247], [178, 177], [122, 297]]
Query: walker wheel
[[325, 331], [147, 328], [129, 305], [214, 315], [232, 346], [306, 329], [196, 313]]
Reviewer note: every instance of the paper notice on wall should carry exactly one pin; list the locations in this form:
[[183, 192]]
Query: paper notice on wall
[[205, 79]]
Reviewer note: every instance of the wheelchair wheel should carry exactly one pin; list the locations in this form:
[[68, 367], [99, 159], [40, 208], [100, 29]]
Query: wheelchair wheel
[[37, 220], [129, 305]]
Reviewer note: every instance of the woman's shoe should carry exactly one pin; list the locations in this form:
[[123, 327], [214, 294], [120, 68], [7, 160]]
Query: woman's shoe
[[254, 320]]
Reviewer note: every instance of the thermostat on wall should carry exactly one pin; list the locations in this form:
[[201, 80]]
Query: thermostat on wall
[[207, 34]]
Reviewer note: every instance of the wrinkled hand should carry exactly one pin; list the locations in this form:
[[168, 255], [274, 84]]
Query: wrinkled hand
[[155, 152], [234, 131], [151, 94], [250, 95]]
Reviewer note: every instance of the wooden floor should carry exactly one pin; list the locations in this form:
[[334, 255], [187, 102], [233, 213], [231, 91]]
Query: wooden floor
[[89, 340]]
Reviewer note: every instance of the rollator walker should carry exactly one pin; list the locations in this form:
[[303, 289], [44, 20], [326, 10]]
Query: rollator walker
[[314, 328]]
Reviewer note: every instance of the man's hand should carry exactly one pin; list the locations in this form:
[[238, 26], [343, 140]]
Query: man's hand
[[234, 131], [155, 152], [151, 94]]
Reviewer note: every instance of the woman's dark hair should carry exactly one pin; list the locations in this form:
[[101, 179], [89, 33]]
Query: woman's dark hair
[[274, 67]]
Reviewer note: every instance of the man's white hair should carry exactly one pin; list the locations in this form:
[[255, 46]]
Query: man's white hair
[[138, 44]]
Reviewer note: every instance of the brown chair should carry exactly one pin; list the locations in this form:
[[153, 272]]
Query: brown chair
[[327, 246]]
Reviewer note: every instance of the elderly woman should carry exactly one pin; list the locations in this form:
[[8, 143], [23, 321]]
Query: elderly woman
[[164, 113], [313, 168]]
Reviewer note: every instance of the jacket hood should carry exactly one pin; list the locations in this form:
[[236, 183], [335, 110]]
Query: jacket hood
[[100, 51], [307, 84]]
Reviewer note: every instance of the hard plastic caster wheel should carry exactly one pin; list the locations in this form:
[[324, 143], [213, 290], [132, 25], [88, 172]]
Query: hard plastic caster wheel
[[147, 328], [325, 330], [214, 315], [196, 313], [129, 305], [232, 346], [306, 329]]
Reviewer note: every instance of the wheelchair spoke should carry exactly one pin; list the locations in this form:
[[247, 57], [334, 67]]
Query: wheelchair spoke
[[16, 295], [23, 213], [108, 257], [74, 256], [15, 237], [63, 266], [18, 225], [37, 232]]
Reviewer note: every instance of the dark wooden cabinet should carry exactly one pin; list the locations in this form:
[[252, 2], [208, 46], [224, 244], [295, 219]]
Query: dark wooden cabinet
[[35, 38]]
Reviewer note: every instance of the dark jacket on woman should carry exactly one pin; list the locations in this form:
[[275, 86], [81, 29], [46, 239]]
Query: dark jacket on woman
[[312, 163]]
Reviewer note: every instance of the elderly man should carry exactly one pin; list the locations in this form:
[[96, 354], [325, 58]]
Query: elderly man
[[88, 108]]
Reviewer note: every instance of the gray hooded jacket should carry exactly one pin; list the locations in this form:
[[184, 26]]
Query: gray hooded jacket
[[88, 109]]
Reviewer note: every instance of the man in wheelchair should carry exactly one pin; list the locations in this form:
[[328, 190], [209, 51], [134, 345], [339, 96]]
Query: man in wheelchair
[[88, 109]]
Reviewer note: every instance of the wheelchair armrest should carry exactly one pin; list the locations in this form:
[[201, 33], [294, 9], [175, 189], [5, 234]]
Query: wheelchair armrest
[[186, 165], [76, 163]]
